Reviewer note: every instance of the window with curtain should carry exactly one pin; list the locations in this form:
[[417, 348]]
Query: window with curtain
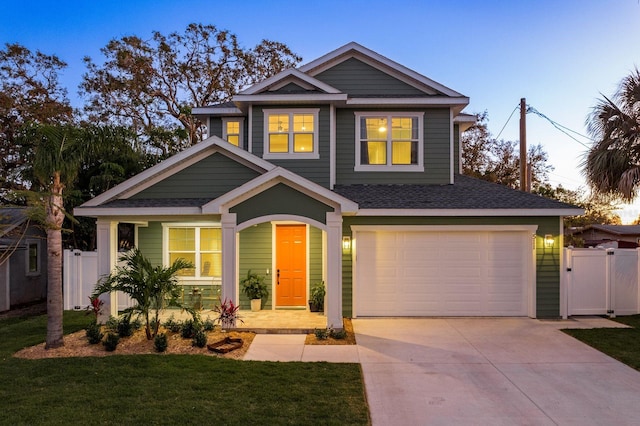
[[389, 141]]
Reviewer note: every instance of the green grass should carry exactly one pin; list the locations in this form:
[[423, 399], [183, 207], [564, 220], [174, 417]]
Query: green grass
[[622, 344], [168, 389]]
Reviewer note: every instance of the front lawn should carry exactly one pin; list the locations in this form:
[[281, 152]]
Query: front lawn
[[622, 344], [168, 389]]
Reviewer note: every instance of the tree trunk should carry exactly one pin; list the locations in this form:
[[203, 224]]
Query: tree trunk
[[55, 216]]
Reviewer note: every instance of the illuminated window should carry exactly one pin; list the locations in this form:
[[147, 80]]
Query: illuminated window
[[232, 130], [392, 142], [201, 246], [291, 133]]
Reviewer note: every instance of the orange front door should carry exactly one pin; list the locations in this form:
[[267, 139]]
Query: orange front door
[[291, 265]]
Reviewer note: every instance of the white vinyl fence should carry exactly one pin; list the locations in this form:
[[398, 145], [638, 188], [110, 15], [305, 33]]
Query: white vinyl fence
[[80, 279], [601, 282]]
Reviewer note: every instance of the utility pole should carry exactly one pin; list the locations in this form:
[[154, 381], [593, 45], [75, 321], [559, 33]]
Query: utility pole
[[523, 146]]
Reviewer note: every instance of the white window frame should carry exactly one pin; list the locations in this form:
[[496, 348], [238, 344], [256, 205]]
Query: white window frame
[[38, 258], [291, 154], [389, 167], [240, 121], [197, 226]]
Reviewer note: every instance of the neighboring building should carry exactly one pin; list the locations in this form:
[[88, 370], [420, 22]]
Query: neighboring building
[[609, 236], [348, 170], [23, 261]]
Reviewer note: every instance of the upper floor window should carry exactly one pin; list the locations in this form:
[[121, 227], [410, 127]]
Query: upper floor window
[[291, 133], [232, 130], [199, 245], [389, 141]]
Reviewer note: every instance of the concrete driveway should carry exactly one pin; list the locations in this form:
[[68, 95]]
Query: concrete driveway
[[490, 371]]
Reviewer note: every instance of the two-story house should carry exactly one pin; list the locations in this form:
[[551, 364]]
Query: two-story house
[[345, 170]]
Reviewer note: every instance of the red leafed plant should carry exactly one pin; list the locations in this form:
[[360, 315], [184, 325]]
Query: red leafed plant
[[95, 306], [227, 313]]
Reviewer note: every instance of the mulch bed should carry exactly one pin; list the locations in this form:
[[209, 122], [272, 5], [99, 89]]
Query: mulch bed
[[349, 340]]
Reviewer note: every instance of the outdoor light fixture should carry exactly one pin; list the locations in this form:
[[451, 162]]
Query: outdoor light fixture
[[346, 244], [548, 240]]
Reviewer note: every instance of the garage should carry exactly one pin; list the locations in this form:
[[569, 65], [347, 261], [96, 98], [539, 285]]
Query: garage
[[444, 271]]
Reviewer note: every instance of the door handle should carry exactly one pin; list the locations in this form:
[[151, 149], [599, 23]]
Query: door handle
[[278, 276]]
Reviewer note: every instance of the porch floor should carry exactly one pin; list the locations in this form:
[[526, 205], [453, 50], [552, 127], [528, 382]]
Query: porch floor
[[268, 321]]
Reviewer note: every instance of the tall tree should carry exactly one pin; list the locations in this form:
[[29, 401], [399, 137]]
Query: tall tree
[[30, 92], [612, 165], [498, 161], [152, 85]]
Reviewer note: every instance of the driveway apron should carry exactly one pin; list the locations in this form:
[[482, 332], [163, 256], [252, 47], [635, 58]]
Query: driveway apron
[[490, 371]]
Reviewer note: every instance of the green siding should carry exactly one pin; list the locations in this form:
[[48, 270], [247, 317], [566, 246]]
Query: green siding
[[215, 128], [547, 260], [315, 255], [150, 242], [316, 170], [291, 88], [281, 199], [359, 79], [256, 254], [456, 148], [209, 178], [436, 152]]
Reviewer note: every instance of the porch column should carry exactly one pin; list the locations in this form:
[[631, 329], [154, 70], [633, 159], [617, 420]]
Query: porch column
[[106, 243], [228, 222], [334, 270]]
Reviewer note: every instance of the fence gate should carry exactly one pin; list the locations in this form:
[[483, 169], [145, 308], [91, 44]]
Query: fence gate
[[602, 282]]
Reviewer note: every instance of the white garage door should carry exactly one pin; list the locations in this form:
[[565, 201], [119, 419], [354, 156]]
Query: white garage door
[[442, 273]]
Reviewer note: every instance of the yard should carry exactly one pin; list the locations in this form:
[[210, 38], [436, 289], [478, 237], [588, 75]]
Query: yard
[[622, 344], [168, 389]]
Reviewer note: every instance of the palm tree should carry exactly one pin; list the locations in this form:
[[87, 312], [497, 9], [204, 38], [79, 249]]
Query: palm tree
[[57, 156], [612, 165], [152, 288]]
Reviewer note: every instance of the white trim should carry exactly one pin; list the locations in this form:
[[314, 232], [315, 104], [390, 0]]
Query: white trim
[[290, 154], [389, 167], [136, 211], [176, 163], [332, 146], [292, 98], [250, 128], [401, 72], [469, 212], [451, 151], [448, 228], [281, 218], [285, 77], [427, 101], [197, 226], [27, 256], [271, 178], [240, 121], [209, 110]]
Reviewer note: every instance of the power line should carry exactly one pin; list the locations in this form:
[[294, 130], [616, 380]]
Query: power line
[[560, 127], [508, 119]]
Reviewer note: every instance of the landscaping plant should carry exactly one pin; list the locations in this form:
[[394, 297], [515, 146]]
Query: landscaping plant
[[151, 288], [160, 342], [111, 342], [253, 286], [94, 333]]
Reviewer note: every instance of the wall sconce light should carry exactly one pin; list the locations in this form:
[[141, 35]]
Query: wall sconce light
[[346, 244], [548, 240]]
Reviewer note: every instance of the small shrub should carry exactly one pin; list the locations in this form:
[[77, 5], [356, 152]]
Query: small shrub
[[94, 333], [125, 327], [160, 342], [189, 329], [199, 338], [321, 333], [338, 334], [172, 325], [208, 325], [111, 342]]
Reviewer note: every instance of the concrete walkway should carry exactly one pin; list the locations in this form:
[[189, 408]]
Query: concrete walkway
[[477, 371]]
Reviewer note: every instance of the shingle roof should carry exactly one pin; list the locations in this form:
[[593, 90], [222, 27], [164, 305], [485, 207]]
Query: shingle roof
[[466, 193], [156, 202], [10, 217], [617, 229]]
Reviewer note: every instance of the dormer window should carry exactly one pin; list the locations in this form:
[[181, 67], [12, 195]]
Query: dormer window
[[291, 133], [232, 130], [389, 141]]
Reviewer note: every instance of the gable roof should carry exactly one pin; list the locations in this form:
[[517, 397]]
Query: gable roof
[[11, 218], [467, 197], [175, 164], [631, 230], [355, 50], [287, 76]]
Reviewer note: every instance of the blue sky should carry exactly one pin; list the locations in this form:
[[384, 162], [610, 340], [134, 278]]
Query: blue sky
[[559, 55]]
